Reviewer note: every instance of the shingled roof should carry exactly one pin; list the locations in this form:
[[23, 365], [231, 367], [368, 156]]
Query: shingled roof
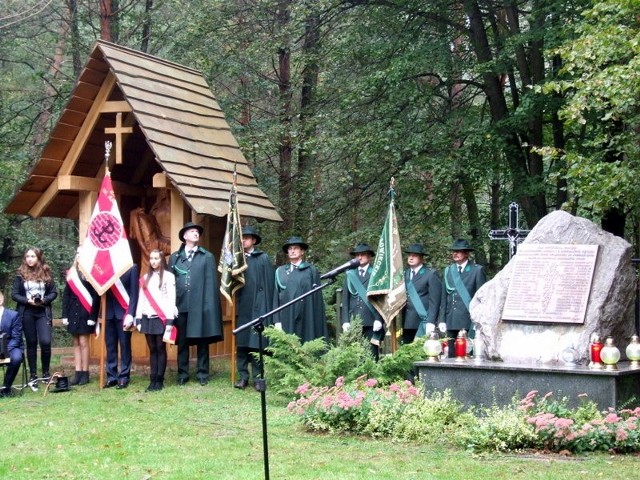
[[177, 127]]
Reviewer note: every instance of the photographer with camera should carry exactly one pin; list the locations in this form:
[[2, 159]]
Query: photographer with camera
[[33, 291]]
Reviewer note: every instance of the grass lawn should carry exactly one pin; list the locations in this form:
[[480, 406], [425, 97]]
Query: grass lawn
[[215, 432]]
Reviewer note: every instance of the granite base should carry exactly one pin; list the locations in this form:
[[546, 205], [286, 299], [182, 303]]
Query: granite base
[[486, 383]]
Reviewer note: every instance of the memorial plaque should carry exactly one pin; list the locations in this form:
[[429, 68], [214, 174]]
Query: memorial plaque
[[550, 283]]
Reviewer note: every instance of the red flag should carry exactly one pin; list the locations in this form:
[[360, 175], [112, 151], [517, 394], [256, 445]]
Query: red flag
[[105, 253]]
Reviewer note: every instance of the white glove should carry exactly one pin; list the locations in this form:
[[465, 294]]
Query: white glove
[[65, 321], [278, 326], [377, 326], [139, 326], [442, 327], [127, 323], [431, 327], [91, 323], [346, 327]]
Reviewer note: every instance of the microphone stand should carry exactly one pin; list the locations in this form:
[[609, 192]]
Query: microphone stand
[[261, 384]]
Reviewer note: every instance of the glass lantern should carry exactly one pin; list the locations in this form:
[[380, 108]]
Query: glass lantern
[[433, 347], [610, 355], [633, 352]]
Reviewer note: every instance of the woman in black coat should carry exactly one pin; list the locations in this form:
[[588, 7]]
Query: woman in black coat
[[80, 306], [33, 291]]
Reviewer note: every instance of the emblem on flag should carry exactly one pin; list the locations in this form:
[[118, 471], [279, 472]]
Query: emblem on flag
[[387, 291], [232, 260], [105, 253]]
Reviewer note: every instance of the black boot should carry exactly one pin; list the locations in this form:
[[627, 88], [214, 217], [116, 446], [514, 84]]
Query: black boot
[[152, 384], [84, 377], [76, 378], [159, 382]]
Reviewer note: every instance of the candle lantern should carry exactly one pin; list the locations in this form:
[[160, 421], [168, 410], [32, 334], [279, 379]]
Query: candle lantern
[[610, 355], [633, 352], [594, 352], [460, 346], [433, 347]]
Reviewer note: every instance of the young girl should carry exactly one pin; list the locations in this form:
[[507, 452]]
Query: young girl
[[80, 305], [155, 314], [33, 291]]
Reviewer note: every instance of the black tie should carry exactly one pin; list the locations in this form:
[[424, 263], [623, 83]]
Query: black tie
[[190, 256], [412, 274], [362, 273], [459, 268]]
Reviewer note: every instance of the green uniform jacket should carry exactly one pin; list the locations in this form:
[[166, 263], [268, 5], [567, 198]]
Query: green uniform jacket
[[255, 298], [453, 311], [429, 289], [305, 318], [198, 294]]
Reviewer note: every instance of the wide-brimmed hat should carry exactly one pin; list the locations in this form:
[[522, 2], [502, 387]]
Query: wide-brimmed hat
[[189, 226], [249, 230], [416, 248], [294, 241], [461, 244], [363, 248]]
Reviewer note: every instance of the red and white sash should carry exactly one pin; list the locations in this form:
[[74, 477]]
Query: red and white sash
[[153, 302], [121, 294], [79, 289]]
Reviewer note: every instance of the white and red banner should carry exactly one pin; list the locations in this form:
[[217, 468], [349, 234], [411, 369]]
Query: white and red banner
[[105, 253]]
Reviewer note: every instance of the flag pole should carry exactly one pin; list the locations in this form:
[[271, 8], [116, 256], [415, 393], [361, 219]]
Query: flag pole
[[233, 339], [394, 338], [103, 323], [103, 297]]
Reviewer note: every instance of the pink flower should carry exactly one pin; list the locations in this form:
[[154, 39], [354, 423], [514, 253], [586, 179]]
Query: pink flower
[[394, 387], [371, 382], [339, 382], [302, 389], [611, 418], [621, 434], [563, 423]]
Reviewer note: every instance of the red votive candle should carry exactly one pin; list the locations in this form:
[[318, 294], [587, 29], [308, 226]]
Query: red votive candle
[[595, 352], [460, 347]]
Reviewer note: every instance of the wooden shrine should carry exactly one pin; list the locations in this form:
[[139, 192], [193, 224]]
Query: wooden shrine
[[172, 161]]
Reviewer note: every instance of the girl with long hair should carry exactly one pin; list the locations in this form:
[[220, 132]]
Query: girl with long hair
[[80, 306], [34, 290], [155, 314]]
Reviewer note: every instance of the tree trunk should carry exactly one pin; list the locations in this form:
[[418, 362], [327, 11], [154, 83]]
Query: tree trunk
[[285, 149], [307, 176], [146, 26]]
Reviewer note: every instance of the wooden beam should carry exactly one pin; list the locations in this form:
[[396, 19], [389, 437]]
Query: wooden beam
[[86, 204], [116, 106], [177, 218], [160, 180], [88, 125], [80, 184]]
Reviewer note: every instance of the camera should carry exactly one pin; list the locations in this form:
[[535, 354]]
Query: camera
[[37, 298]]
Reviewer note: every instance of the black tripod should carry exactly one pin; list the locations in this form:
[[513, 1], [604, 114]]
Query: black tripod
[[261, 385]]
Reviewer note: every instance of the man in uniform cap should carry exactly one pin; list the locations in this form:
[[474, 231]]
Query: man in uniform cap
[[199, 320], [252, 301], [461, 280], [305, 318], [424, 289], [355, 302]]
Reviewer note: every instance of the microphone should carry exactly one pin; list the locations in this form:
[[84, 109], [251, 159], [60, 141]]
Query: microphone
[[351, 264]]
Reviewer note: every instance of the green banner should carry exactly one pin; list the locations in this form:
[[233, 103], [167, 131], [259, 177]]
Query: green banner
[[387, 291], [232, 260]]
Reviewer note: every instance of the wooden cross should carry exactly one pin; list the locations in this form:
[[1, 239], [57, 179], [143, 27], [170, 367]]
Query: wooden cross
[[512, 232], [118, 131]]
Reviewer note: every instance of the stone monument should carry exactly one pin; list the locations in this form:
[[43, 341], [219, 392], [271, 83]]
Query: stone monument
[[607, 307], [535, 318]]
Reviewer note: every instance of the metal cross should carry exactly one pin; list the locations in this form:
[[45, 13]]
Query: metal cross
[[512, 233]]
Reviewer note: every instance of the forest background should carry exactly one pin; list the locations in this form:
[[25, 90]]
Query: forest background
[[470, 105]]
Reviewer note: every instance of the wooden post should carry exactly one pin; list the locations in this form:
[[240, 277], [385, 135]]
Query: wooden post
[[103, 322], [233, 340]]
